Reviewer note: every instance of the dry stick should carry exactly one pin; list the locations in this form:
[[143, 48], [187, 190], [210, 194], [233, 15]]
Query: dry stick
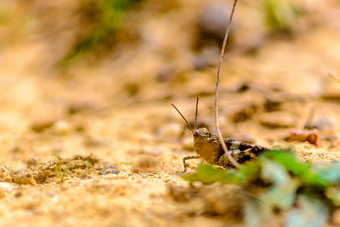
[[195, 126], [309, 118], [224, 146]]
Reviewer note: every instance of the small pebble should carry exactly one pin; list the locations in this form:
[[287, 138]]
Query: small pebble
[[277, 120], [244, 113], [6, 187], [62, 128], [273, 103], [42, 125], [109, 170], [311, 136], [331, 95], [80, 106], [124, 168]]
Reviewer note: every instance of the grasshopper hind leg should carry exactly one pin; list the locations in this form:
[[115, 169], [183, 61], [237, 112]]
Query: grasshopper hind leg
[[188, 158]]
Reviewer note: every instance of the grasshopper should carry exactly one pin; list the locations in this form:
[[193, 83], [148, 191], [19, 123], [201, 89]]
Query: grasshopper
[[214, 148], [208, 147]]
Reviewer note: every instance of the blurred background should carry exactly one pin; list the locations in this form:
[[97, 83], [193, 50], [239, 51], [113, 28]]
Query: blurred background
[[109, 56], [98, 76]]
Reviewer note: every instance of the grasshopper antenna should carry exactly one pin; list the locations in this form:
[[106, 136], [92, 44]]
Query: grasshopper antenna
[[183, 117], [224, 146], [195, 126]]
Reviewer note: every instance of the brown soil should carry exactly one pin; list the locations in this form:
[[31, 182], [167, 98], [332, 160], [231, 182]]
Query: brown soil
[[59, 130]]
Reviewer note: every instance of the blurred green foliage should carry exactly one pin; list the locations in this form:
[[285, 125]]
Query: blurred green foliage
[[107, 17], [280, 15], [279, 182]]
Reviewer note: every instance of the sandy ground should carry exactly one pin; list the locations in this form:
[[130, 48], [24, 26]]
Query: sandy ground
[[119, 112]]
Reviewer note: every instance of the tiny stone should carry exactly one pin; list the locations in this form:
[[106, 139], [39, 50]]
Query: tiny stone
[[124, 168], [109, 170], [6, 187], [332, 94], [80, 106], [8, 179], [41, 125], [62, 128]]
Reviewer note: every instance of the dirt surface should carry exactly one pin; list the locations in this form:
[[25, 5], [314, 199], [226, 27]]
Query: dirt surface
[[99, 144]]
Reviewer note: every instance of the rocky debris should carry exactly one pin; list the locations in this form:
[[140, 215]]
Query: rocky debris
[[22, 176], [4, 188], [331, 95], [273, 103], [32, 162], [109, 170], [40, 173], [42, 124], [80, 106], [62, 128], [310, 136], [245, 113]]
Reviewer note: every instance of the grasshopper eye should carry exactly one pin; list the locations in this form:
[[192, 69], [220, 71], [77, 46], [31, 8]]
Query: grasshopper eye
[[204, 130], [196, 132]]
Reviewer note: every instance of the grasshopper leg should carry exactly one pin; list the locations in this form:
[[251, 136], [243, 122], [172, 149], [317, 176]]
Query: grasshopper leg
[[188, 158]]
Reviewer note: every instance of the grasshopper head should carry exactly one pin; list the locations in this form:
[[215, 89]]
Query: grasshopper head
[[201, 132], [206, 145]]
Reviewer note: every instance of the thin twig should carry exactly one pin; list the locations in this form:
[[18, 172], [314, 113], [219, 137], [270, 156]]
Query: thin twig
[[195, 126], [224, 146], [309, 119]]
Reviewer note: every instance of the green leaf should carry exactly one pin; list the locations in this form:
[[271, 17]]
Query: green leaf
[[331, 174], [208, 174], [297, 168], [282, 193], [275, 173]]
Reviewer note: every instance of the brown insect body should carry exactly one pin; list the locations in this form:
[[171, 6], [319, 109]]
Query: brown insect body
[[208, 147]]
